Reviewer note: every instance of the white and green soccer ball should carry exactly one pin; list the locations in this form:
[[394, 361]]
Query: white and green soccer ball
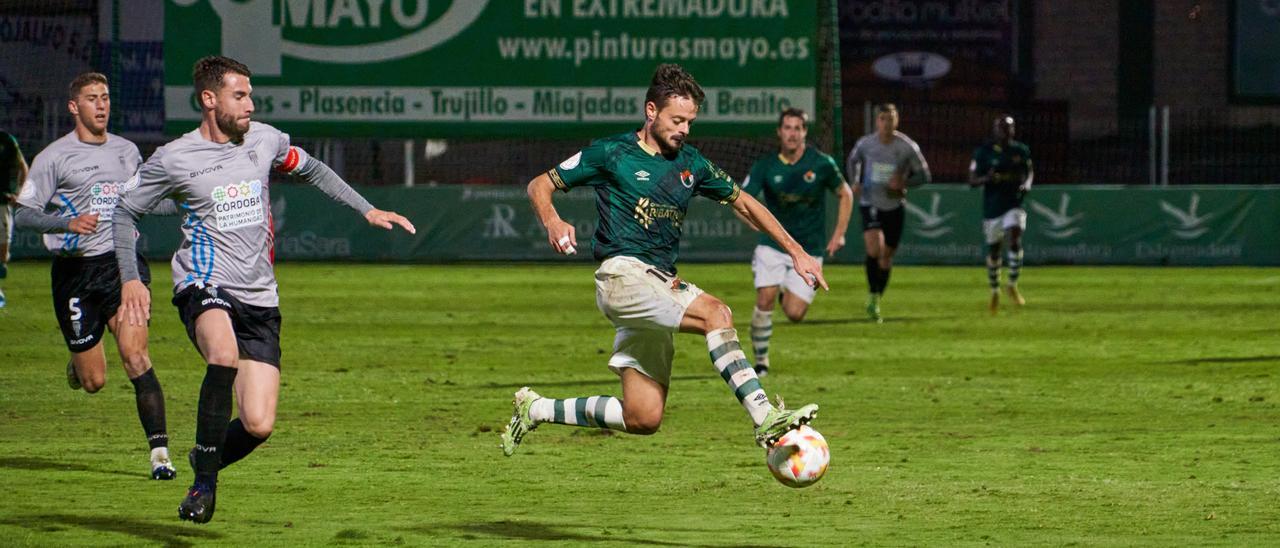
[[799, 458]]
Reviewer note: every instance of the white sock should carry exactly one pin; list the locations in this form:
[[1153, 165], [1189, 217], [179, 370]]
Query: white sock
[[731, 362], [761, 331], [594, 411]]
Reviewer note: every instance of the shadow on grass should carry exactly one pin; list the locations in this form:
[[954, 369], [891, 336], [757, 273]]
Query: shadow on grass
[[174, 536], [532, 531], [613, 381], [31, 463], [1224, 359]]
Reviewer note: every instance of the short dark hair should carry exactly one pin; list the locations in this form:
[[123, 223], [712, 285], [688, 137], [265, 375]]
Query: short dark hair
[[84, 79], [209, 71], [794, 113], [886, 108], [671, 80]]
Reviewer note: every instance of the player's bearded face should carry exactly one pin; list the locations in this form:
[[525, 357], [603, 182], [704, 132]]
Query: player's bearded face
[[92, 107], [672, 122], [234, 106]]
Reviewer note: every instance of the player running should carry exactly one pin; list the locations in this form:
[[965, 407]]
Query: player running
[[794, 183], [1003, 168], [70, 195], [882, 165], [13, 170], [644, 181], [224, 282]]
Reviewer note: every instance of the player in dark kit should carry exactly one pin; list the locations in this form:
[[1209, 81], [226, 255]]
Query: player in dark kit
[[70, 196], [13, 171], [793, 184], [644, 181], [223, 276], [1003, 168]]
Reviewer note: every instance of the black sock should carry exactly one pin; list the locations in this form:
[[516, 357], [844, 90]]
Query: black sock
[[146, 390], [239, 443], [214, 411], [884, 278], [873, 274]]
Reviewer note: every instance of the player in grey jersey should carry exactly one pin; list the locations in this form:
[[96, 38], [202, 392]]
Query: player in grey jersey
[[882, 165], [224, 282], [70, 195]]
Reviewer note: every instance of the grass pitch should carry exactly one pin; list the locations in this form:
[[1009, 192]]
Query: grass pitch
[[1122, 406]]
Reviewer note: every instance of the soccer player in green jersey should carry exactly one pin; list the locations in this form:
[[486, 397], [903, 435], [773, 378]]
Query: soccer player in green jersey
[[794, 184], [643, 182], [1003, 168], [13, 170]]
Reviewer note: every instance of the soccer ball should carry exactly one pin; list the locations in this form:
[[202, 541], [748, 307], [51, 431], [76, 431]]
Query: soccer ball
[[799, 458]]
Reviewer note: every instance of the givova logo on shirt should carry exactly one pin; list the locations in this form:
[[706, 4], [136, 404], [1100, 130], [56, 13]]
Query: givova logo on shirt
[[238, 204]]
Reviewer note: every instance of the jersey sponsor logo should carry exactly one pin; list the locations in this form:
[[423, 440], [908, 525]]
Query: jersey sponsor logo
[[1061, 222], [777, 178], [642, 176], [85, 169], [203, 171], [932, 224], [647, 212], [571, 162], [238, 204], [881, 172], [103, 197], [253, 31]]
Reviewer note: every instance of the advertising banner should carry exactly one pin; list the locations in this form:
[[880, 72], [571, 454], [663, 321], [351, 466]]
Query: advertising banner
[[493, 68]]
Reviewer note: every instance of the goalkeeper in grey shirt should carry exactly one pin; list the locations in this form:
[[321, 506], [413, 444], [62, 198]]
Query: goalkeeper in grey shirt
[[223, 276], [882, 165]]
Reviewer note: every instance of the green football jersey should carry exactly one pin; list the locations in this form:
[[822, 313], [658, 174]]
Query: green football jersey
[[641, 195], [1011, 164], [796, 194], [9, 152]]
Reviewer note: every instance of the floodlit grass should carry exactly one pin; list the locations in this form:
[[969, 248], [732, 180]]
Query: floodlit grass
[[1122, 406]]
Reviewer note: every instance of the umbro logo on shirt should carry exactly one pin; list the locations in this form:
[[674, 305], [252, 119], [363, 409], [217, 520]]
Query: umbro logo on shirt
[[642, 175]]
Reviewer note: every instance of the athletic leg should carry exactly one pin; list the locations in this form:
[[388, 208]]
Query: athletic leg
[[762, 326], [131, 341]]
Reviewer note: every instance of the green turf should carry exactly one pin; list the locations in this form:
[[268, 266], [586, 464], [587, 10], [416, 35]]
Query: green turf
[[1123, 406]]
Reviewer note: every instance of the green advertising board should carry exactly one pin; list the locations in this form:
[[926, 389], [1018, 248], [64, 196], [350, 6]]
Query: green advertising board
[[493, 68], [1220, 225]]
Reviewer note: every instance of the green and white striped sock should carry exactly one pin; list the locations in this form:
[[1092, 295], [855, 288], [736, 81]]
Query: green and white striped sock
[[731, 362], [761, 330], [594, 411]]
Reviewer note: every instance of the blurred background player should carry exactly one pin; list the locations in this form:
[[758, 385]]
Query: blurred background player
[[882, 165], [1003, 168], [69, 196], [223, 274], [793, 184], [13, 171], [644, 181]]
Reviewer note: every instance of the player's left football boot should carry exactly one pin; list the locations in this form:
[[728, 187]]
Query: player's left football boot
[[73, 380], [161, 467], [779, 421], [521, 423], [873, 309], [1015, 295], [762, 370], [199, 503], [994, 306]]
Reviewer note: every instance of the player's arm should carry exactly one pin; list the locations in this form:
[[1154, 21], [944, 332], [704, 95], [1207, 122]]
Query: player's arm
[[755, 191], [913, 171], [41, 183], [1026, 181], [975, 179], [560, 234], [149, 186], [843, 212], [751, 208], [19, 165], [316, 173], [853, 168]]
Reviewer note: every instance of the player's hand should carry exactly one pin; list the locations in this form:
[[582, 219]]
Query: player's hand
[[386, 219], [835, 244], [809, 269], [84, 224], [562, 236], [135, 301]]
